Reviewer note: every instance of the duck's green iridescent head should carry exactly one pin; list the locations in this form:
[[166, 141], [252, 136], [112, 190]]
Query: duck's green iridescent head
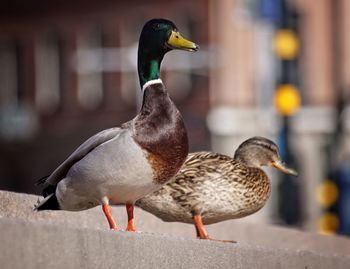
[[158, 36], [259, 151]]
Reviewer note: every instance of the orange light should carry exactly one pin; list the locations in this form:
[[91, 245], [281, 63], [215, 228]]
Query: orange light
[[328, 224], [327, 193], [286, 44], [287, 99]]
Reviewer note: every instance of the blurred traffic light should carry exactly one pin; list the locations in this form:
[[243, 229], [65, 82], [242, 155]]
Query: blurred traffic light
[[333, 193], [327, 196], [287, 101]]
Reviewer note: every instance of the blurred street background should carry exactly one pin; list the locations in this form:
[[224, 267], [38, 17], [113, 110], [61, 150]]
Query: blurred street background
[[273, 68]]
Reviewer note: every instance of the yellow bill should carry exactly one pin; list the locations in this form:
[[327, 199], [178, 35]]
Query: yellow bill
[[176, 41], [281, 166]]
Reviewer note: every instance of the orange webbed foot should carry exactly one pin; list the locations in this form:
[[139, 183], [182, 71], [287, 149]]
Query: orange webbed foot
[[131, 223], [202, 233]]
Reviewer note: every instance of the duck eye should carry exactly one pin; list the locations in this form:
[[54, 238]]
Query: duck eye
[[156, 26]]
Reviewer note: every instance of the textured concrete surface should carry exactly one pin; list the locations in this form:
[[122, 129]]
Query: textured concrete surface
[[28, 244], [60, 239]]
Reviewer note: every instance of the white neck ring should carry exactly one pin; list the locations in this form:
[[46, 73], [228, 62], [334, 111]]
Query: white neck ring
[[151, 82]]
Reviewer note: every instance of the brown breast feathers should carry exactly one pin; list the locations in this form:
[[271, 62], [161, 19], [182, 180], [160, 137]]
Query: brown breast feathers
[[160, 130]]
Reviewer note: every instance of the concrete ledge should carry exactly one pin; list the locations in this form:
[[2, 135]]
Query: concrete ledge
[[27, 244], [81, 240]]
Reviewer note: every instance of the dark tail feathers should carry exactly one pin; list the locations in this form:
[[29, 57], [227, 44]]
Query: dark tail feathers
[[41, 180], [49, 203]]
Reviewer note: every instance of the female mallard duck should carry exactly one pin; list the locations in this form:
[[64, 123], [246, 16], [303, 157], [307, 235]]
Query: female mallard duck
[[122, 164], [212, 187]]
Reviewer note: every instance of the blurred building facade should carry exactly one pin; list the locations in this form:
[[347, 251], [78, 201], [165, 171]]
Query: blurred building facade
[[68, 70], [242, 91]]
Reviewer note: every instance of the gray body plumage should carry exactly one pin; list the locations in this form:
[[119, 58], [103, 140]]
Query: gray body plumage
[[104, 172], [100, 168]]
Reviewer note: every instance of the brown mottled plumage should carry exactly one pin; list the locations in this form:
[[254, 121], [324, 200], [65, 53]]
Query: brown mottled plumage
[[212, 187]]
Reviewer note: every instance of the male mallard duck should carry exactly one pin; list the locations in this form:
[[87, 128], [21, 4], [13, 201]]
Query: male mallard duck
[[122, 164], [212, 187]]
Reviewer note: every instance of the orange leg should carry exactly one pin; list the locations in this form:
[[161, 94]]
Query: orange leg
[[197, 232], [202, 233], [131, 224], [108, 213]]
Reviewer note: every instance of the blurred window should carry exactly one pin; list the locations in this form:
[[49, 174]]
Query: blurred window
[[48, 67], [89, 63], [17, 119], [130, 87], [10, 86]]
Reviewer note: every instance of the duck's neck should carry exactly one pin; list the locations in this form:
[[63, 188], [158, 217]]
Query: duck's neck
[[148, 66], [247, 160]]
